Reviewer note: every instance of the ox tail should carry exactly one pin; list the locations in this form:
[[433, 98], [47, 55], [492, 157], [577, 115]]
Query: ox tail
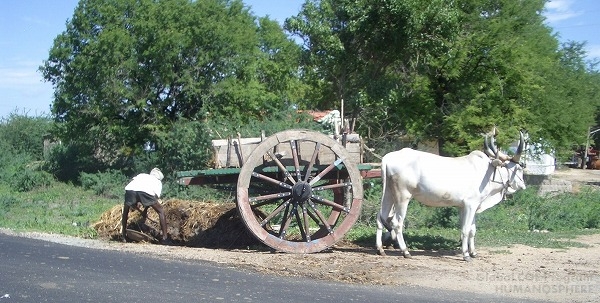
[[384, 218]]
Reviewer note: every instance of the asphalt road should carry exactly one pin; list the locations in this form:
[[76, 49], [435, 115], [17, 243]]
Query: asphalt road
[[39, 271]]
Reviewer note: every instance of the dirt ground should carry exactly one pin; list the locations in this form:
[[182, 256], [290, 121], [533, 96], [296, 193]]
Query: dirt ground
[[554, 275]]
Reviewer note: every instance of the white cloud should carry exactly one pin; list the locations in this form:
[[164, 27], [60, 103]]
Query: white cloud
[[11, 77], [593, 51], [559, 10], [23, 89], [559, 5]]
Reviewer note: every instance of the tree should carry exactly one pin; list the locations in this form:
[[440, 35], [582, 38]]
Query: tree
[[24, 135], [446, 70], [125, 70]]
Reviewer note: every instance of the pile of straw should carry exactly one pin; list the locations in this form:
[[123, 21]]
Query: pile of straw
[[194, 224]]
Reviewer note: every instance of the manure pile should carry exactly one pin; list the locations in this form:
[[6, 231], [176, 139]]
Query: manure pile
[[194, 224]]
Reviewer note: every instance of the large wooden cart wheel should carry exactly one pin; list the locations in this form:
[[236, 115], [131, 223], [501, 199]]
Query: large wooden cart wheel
[[299, 191]]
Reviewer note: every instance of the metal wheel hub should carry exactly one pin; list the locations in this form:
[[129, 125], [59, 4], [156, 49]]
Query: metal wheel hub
[[301, 191]]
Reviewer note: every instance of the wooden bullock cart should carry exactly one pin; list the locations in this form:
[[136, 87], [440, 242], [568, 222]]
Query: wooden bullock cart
[[298, 191]]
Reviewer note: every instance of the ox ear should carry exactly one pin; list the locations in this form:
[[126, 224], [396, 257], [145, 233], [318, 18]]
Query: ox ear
[[497, 163]]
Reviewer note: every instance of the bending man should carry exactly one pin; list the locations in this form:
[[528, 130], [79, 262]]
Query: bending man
[[146, 189]]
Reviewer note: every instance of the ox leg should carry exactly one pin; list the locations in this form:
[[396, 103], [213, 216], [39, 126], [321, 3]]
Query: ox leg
[[472, 251], [467, 223], [378, 235], [384, 218], [398, 226]]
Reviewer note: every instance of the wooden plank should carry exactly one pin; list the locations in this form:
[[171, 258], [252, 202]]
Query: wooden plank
[[243, 141], [231, 152]]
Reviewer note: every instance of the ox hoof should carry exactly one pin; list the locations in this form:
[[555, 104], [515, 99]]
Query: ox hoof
[[467, 258], [381, 252], [407, 256], [473, 255]]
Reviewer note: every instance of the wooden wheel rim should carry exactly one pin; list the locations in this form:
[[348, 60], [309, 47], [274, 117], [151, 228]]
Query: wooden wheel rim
[[321, 240]]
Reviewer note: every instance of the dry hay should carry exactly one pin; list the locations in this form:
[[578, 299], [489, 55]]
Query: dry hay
[[194, 224]]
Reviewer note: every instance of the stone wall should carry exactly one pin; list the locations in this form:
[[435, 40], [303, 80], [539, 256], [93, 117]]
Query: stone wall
[[548, 186]]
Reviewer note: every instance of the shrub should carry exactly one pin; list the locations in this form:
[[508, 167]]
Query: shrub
[[24, 134], [109, 184], [27, 180], [523, 211], [186, 146], [7, 201], [21, 174], [565, 211], [67, 161]]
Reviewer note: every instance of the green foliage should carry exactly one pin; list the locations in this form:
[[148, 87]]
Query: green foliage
[[371, 202], [109, 184], [144, 162], [22, 149], [565, 212], [447, 71], [67, 161], [124, 71], [185, 146], [21, 174], [6, 202], [222, 127], [27, 180], [21, 134], [58, 208]]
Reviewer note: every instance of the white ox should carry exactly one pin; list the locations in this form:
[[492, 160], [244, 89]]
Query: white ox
[[473, 183]]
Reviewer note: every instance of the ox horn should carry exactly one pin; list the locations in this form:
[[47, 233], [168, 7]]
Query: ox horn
[[498, 154], [486, 147], [517, 157]]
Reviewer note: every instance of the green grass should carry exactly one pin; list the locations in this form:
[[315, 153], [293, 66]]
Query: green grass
[[59, 208], [71, 210], [525, 218]]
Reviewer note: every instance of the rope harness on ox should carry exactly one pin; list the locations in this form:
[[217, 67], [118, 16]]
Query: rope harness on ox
[[507, 183], [500, 158]]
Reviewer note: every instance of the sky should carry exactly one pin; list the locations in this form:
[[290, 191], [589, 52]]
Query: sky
[[28, 29]]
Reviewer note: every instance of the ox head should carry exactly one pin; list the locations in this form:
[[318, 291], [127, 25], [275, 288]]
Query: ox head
[[512, 174]]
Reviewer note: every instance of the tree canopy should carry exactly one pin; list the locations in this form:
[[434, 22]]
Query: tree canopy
[[125, 70], [131, 72], [447, 70]]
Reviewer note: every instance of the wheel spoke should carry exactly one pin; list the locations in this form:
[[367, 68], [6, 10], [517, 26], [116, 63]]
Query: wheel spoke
[[284, 219], [278, 210], [313, 159], [281, 167], [324, 201], [294, 148], [314, 217], [303, 231], [269, 197], [325, 171], [321, 217], [271, 180], [306, 223], [287, 219], [332, 186]]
